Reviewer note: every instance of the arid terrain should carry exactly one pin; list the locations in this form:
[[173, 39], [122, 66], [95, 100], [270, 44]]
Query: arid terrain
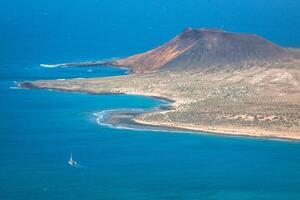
[[220, 82]]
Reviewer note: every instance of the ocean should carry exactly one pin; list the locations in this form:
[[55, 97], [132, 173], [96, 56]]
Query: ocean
[[39, 129]]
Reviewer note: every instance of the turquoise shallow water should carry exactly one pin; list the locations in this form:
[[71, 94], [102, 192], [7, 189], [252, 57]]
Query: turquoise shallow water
[[40, 128]]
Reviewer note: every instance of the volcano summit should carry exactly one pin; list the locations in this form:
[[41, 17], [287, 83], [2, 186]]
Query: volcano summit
[[206, 49]]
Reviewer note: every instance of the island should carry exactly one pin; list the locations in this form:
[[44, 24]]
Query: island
[[218, 81]]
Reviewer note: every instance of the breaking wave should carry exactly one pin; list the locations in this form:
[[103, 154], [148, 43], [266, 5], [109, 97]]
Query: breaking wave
[[49, 66]]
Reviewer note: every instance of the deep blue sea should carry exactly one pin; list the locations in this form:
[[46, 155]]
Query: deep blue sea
[[40, 128]]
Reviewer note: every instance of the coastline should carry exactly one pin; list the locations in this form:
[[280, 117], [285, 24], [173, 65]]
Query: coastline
[[230, 131], [192, 107], [217, 131], [248, 132], [115, 119]]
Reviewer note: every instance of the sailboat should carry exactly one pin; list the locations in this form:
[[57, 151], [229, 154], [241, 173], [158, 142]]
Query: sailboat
[[71, 161]]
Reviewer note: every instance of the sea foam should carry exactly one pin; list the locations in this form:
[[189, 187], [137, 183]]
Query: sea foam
[[49, 66], [16, 86]]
